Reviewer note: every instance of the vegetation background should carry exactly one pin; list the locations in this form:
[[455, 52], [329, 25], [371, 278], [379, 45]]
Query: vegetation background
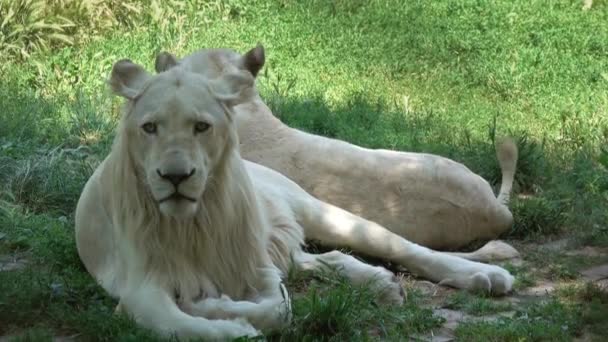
[[443, 77]]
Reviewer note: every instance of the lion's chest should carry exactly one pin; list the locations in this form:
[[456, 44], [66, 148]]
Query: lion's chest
[[196, 268], [194, 287], [193, 260], [196, 279]]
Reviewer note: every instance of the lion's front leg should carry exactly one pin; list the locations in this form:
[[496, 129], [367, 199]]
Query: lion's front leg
[[153, 308], [271, 310]]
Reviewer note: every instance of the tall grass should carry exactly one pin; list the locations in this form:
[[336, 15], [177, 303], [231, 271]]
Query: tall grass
[[29, 26]]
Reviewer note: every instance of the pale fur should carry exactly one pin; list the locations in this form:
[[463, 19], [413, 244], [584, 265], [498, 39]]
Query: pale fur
[[428, 199], [214, 271], [228, 222]]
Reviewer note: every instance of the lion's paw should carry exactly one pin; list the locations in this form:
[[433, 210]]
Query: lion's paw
[[211, 308], [389, 287], [227, 330], [481, 277], [242, 328], [215, 330]]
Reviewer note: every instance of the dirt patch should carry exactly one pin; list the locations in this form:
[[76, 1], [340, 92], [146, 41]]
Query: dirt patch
[[434, 295], [596, 273], [12, 262], [541, 288], [589, 251]]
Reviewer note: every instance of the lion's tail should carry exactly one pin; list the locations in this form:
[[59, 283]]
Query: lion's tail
[[506, 152]]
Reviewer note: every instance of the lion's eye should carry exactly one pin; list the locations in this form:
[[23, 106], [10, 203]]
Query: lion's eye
[[201, 126], [149, 127]]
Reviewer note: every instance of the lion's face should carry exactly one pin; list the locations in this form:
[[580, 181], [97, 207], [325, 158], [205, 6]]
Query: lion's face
[[178, 130]]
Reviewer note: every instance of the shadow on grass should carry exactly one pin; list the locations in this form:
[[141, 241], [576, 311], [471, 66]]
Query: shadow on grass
[[49, 148]]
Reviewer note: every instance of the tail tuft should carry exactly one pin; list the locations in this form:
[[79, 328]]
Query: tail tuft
[[506, 152]]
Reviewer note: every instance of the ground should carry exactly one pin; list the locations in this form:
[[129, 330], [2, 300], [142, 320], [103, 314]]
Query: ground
[[561, 294], [444, 77], [560, 299]]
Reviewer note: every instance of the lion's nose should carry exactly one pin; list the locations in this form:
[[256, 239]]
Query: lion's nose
[[175, 177]]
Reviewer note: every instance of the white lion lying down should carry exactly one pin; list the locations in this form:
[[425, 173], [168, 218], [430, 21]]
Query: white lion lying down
[[194, 240], [425, 198]]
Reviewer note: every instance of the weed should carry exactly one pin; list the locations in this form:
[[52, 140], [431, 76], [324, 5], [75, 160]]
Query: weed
[[536, 216]]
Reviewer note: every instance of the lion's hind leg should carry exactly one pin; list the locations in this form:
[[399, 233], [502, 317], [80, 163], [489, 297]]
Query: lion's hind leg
[[335, 227]]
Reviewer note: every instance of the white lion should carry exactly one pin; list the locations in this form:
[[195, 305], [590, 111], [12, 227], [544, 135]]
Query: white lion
[[194, 240], [425, 198]]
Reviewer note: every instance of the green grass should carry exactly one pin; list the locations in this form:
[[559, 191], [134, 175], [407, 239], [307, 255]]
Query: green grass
[[560, 318], [443, 77], [594, 313], [539, 322], [332, 309], [475, 305]]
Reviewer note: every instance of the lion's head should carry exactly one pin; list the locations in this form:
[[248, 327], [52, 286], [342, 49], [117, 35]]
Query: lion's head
[[178, 128], [213, 63]]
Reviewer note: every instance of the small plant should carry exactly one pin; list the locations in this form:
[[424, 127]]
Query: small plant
[[531, 164], [279, 87], [535, 216]]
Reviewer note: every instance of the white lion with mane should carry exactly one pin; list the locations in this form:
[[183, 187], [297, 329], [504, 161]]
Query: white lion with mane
[[194, 241]]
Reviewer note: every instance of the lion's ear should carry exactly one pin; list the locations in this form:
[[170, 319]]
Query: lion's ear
[[164, 61], [127, 78], [233, 88], [254, 59]]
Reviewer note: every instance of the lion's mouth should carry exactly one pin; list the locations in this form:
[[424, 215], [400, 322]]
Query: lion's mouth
[[176, 196]]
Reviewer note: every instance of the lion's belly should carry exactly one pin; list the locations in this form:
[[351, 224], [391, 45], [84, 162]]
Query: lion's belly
[[428, 199]]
